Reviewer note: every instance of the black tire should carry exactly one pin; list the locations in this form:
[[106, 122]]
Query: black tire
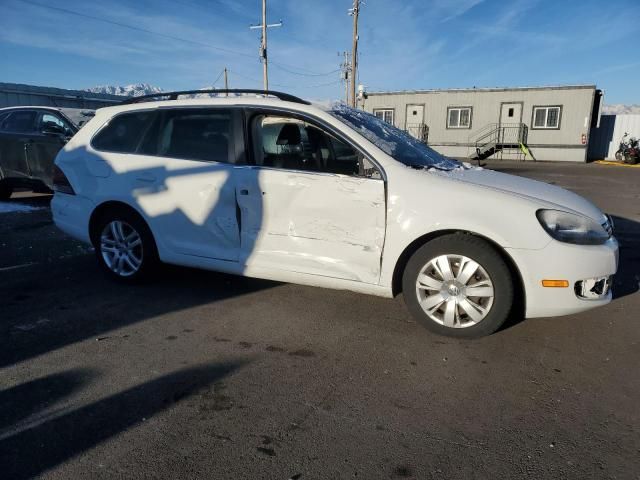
[[494, 267], [146, 251], [5, 191]]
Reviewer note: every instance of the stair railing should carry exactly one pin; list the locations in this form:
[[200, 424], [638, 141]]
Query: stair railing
[[496, 136]]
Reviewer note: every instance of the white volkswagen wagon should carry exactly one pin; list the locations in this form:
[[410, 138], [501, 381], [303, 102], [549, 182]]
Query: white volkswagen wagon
[[273, 187]]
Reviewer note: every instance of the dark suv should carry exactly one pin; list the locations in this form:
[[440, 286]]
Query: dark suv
[[30, 138]]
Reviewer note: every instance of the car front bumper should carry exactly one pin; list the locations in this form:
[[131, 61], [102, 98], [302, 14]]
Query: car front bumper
[[582, 266]]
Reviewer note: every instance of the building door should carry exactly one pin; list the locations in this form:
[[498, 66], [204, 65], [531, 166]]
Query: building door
[[511, 113], [414, 121]]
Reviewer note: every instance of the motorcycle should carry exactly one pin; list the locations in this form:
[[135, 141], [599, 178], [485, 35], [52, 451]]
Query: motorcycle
[[632, 153], [624, 144], [628, 150]]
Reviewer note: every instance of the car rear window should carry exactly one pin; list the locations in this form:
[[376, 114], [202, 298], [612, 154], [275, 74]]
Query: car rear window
[[191, 133], [123, 133]]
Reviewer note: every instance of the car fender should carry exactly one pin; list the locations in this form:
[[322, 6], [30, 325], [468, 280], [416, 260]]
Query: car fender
[[432, 206]]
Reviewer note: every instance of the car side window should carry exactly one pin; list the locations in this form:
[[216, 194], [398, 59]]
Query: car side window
[[191, 133], [123, 133], [49, 119], [23, 121], [291, 143]]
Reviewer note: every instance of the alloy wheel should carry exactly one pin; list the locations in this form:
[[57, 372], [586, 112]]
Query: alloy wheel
[[121, 248]]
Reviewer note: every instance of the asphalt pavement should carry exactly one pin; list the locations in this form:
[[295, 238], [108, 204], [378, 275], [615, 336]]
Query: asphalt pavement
[[210, 376]]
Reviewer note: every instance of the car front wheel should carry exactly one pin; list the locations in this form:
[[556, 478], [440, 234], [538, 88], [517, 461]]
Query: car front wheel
[[458, 285], [125, 247]]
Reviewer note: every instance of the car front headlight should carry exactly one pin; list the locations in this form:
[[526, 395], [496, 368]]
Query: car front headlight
[[572, 228]]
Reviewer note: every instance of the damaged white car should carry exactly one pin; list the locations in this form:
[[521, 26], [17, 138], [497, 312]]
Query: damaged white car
[[273, 187]]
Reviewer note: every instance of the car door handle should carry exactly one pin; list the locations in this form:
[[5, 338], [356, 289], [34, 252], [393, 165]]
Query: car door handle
[[244, 191]]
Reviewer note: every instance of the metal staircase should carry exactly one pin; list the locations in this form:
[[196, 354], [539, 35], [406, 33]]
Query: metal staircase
[[499, 138]]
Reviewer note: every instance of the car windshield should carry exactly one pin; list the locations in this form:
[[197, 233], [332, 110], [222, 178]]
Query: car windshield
[[78, 116], [393, 141]]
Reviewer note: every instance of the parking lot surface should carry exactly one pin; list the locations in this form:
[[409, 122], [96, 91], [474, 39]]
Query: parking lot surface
[[204, 375]]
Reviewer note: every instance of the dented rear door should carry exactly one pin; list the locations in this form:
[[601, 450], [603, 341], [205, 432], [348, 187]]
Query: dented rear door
[[312, 222]]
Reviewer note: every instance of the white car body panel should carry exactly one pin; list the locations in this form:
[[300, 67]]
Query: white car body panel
[[326, 230], [316, 223]]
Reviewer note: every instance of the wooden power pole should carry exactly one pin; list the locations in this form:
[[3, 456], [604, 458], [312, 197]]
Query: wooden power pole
[[354, 52], [263, 44], [345, 68], [226, 81], [263, 48]]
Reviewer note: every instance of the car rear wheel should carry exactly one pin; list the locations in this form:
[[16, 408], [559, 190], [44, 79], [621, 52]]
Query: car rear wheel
[[458, 285], [125, 247]]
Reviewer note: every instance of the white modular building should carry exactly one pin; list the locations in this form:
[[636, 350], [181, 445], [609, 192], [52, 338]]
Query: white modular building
[[531, 123]]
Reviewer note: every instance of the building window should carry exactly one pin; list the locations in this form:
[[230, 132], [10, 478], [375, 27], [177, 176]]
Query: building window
[[385, 114], [459, 117], [546, 117]]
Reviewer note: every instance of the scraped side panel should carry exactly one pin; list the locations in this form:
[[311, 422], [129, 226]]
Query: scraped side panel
[[331, 225]]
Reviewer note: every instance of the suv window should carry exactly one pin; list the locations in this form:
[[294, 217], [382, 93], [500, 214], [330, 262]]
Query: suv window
[[20, 121], [191, 133], [123, 132], [291, 143]]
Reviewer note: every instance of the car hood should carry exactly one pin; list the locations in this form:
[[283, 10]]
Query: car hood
[[548, 196]]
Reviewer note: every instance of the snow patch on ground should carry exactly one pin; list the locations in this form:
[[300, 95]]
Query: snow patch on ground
[[12, 207]]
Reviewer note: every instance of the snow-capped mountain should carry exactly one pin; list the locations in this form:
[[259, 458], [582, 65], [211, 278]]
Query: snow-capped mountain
[[620, 109], [134, 90]]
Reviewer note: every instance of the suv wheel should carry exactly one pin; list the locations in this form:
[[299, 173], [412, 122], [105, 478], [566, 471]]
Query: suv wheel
[[124, 246], [458, 285]]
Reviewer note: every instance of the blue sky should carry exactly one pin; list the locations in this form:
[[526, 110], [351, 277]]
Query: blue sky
[[404, 44]]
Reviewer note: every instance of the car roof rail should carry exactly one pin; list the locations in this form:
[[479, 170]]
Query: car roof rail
[[174, 95]]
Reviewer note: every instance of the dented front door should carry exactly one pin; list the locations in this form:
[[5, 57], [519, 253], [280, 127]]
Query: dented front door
[[315, 223]]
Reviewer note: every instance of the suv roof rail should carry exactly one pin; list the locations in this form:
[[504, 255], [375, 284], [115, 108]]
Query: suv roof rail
[[174, 95]]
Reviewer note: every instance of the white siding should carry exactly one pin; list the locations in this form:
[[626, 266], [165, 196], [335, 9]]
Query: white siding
[[564, 143], [605, 140]]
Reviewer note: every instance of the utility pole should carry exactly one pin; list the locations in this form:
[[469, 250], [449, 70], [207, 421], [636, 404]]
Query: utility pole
[[226, 81], [263, 48], [263, 43], [354, 51], [345, 68]]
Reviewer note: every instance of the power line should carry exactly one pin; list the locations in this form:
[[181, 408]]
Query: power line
[[255, 80], [279, 66], [219, 76], [132, 27], [152, 32]]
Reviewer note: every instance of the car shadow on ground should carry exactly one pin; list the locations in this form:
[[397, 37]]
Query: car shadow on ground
[[24, 400], [55, 321], [32, 450]]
